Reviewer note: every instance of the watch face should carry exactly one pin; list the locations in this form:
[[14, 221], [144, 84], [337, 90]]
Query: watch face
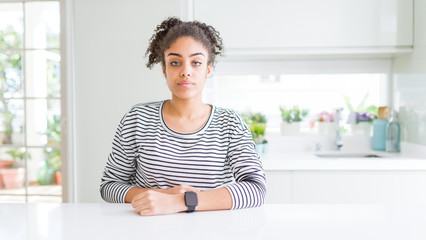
[[191, 199]]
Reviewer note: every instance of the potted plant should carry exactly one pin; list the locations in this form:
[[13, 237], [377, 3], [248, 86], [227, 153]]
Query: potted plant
[[361, 123], [257, 124], [291, 118], [361, 118], [325, 121], [14, 174], [44, 174], [49, 171], [9, 84]]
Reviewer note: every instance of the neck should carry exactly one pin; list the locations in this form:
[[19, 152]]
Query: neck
[[184, 108]]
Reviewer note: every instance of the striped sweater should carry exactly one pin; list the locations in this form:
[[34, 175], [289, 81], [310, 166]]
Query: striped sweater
[[148, 154]]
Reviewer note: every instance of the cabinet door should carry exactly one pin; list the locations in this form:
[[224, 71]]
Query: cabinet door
[[309, 23], [278, 187], [359, 187]]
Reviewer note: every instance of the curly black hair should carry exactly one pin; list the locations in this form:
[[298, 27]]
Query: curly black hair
[[172, 29]]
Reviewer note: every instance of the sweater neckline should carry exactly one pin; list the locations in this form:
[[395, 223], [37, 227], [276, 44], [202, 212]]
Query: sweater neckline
[[199, 131]]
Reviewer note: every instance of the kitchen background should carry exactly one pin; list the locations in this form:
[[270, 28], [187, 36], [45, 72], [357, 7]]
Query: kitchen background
[[278, 53]]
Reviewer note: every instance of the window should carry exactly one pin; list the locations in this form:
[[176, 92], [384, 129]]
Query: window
[[30, 102], [319, 89]]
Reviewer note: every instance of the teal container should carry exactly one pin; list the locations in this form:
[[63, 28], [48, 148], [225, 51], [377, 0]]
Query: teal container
[[378, 141]]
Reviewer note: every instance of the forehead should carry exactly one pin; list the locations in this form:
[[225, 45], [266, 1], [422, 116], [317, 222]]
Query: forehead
[[186, 45]]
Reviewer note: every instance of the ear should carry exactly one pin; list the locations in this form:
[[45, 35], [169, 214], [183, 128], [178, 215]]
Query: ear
[[164, 72], [209, 70]]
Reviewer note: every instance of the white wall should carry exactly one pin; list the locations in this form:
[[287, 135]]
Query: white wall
[[409, 75], [110, 77]]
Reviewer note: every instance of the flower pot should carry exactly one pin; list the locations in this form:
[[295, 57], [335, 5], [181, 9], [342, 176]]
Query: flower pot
[[4, 164], [290, 128], [361, 129], [13, 177], [58, 177], [326, 128], [261, 148]]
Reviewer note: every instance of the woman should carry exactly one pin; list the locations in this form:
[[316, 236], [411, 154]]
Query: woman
[[181, 154]]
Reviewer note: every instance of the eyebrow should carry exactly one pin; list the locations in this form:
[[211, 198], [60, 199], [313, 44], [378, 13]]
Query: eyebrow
[[177, 54]]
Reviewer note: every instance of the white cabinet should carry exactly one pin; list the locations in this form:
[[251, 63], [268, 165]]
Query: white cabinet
[[359, 187], [276, 24], [278, 185], [347, 186]]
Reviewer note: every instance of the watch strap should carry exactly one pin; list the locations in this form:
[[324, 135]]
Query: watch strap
[[190, 209]]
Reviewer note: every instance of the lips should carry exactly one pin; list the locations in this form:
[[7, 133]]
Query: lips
[[186, 84]]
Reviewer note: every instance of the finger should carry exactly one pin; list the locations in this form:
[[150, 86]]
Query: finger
[[142, 207], [139, 196], [140, 201], [146, 212], [143, 198], [135, 202], [143, 195]]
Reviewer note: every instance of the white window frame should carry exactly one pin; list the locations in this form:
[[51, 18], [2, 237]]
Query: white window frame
[[66, 64]]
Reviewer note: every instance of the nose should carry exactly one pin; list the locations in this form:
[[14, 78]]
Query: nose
[[186, 71]]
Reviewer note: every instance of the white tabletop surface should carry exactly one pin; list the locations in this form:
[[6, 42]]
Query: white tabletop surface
[[119, 221]]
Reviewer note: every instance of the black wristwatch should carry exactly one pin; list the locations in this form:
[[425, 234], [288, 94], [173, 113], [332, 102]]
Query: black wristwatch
[[191, 201]]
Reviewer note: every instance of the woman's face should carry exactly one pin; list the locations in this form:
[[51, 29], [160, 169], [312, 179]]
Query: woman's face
[[186, 68]]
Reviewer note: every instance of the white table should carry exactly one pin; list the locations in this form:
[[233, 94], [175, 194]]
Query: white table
[[119, 221]]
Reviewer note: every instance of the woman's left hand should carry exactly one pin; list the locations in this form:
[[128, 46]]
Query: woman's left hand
[[157, 203]]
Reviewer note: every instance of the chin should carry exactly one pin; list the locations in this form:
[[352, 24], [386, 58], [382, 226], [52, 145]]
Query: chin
[[187, 96]]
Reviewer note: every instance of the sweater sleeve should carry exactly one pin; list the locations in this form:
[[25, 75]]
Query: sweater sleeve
[[120, 166], [249, 190]]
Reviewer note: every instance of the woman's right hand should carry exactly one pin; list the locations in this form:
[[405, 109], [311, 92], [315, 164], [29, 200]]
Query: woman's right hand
[[180, 189], [161, 201]]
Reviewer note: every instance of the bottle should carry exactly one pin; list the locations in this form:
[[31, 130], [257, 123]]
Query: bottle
[[393, 134], [378, 141]]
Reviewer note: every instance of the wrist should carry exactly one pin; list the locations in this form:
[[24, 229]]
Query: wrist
[[180, 202], [133, 191]]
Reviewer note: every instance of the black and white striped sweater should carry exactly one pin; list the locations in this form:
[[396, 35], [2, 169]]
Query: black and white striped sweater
[[148, 154]]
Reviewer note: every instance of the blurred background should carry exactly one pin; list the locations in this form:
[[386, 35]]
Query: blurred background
[[70, 69]]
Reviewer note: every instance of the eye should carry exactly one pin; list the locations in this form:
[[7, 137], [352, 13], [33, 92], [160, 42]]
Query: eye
[[196, 63], [174, 63]]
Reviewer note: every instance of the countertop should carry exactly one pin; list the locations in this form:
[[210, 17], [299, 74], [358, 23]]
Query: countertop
[[298, 153], [294, 161], [119, 221]]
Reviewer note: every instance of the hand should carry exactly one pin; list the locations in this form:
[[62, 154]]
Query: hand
[[151, 202], [180, 189]]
